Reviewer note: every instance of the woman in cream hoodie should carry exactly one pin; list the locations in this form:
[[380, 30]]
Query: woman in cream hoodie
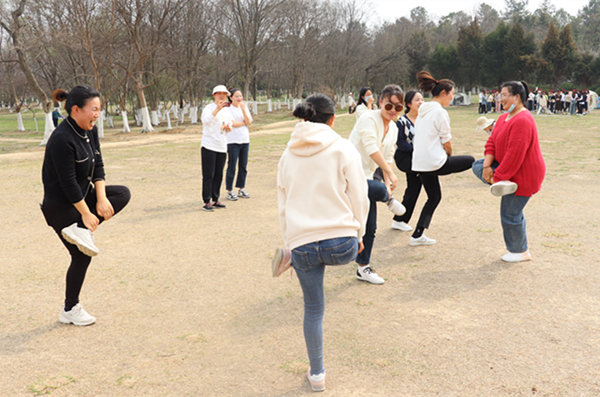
[[323, 207]]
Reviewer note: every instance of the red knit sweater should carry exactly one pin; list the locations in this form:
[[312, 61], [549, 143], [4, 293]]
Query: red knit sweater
[[515, 145]]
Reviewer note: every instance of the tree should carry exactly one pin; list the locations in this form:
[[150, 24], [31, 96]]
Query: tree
[[488, 18], [516, 48], [590, 26], [492, 72], [418, 54], [468, 48], [444, 62]]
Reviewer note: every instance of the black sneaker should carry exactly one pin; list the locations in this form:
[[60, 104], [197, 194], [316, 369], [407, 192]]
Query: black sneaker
[[218, 204], [208, 207]]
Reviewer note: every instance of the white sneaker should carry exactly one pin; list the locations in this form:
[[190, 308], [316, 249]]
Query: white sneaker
[[405, 227], [423, 240], [82, 238], [243, 194], [365, 273], [77, 315], [516, 257], [317, 382], [503, 188], [396, 207], [282, 260]]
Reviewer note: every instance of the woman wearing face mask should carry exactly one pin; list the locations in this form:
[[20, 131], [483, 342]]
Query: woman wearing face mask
[[403, 158], [366, 101], [514, 167], [238, 146], [76, 198], [432, 154]]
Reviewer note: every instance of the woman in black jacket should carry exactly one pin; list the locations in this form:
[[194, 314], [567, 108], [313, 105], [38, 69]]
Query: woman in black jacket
[[76, 199]]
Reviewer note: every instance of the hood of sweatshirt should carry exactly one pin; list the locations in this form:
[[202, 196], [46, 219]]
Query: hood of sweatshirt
[[311, 138], [428, 107]]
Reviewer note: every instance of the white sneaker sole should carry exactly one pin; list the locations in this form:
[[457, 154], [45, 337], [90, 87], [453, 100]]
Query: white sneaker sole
[[403, 228], [65, 320], [89, 251], [499, 190], [417, 243]]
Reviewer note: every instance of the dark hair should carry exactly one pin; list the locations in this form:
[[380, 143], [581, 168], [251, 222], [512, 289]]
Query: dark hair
[[231, 92], [317, 108], [362, 93], [428, 83], [518, 88], [78, 96], [391, 90], [408, 97]]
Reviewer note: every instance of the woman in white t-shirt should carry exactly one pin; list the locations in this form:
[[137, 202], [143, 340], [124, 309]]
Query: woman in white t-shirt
[[238, 146], [366, 101], [432, 149]]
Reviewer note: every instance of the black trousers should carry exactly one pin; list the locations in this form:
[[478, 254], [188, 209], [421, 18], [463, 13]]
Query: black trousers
[[431, 183], [212, 174], [59, 217], [413, 184]]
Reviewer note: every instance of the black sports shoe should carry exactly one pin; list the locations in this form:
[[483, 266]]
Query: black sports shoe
[[218, 204]]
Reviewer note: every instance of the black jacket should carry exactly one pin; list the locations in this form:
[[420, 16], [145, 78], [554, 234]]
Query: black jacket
[[72, 163]]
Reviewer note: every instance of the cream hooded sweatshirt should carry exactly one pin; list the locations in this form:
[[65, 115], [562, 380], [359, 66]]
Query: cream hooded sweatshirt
[[321, 187]]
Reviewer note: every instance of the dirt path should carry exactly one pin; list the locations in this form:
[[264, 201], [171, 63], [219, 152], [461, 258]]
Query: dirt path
[[186, 305]]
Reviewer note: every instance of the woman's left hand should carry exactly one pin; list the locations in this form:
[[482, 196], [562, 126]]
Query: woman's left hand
[[105, 209], [488, 174]]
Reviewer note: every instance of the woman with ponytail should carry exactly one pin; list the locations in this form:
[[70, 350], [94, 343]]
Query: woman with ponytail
[[513, 166], [76, 198], [432, 153], [323, 207]]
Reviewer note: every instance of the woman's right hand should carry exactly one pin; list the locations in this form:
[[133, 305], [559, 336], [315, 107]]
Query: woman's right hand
[[90, 221]]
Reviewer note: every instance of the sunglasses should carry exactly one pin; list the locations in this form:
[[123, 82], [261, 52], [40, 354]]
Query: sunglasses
[[389, 106]]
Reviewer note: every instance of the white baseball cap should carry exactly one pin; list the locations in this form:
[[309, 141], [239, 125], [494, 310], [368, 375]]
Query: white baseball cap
[[221, 88]]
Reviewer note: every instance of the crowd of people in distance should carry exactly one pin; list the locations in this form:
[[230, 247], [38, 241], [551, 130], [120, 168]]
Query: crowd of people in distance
[[571, 102]]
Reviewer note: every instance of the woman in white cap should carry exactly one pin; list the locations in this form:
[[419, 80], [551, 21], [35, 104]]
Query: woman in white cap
[[215, 125]]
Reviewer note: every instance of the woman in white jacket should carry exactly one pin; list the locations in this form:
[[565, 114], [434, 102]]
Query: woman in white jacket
[[323, 207]]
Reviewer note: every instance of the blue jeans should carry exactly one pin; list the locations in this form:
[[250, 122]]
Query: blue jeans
[[309, 261], [511, 214], [377, 192], [235, 152]]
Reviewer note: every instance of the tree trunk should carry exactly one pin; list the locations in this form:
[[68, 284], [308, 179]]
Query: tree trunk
[[100, 124], [146, 124], [125, 121], [20, 125], [169, 126], [48, 127], [155, 117]]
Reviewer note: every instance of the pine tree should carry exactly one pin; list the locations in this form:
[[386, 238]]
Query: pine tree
[[468, 48], [551, 53]]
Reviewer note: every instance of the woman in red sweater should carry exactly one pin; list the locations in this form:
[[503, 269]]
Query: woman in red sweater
[[514, 167]]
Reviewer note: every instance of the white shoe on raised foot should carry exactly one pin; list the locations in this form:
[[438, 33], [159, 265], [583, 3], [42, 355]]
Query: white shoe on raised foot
[[423, 240], [81, 237], [503, 188], [396, 207], [514, 257], [317, 382], [365, 273], [405, 227], [77, 315]]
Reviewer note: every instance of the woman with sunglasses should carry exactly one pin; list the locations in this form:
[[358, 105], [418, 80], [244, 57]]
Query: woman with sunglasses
[[374, 135], [432, 154]]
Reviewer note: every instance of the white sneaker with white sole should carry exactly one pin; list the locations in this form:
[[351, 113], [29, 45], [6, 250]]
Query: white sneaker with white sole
[[514, 257], [396, 207], [77, 315], [81, 237], [423, 240], [317, 382], [503, 188], [405, 227], [365, 273]]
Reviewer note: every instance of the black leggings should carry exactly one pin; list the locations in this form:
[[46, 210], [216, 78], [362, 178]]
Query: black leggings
[[59, 218], [431, 183], [212, 174]]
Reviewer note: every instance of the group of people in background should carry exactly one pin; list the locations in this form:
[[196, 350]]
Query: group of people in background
[[328, 187], [570, 102], [225, 134]]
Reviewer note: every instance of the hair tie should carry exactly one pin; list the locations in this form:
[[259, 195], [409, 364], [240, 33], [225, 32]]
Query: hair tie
[[437, 82]]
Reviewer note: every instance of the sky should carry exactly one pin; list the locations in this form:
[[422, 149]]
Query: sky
[[390, 10]]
